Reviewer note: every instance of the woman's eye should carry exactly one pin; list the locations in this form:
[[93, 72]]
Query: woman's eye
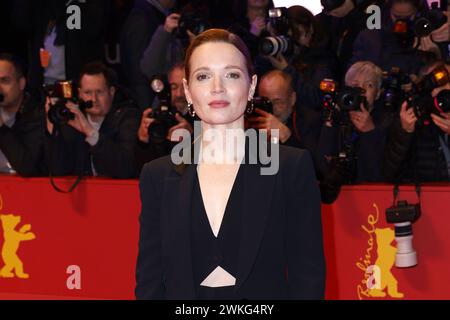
[[201, 77], [233, 75]]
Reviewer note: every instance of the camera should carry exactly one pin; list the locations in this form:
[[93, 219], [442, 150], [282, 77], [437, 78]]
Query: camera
[[420, 97], [262, 103], [164, 114], [392, 87], [192, 21], [432, 20], [403, 31], [60, 93], [271, 46], [337, 103], [402, 215], [278, 19]]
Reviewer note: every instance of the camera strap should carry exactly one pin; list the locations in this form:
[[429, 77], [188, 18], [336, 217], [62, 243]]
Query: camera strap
[[397, 191], [52, 148]]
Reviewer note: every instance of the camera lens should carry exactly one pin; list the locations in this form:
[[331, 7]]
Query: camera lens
[[423, 27], [442, 101], [406, 256], [271, 46]]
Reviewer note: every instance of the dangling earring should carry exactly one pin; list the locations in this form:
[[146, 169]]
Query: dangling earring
[[250, 107], [191, 110]]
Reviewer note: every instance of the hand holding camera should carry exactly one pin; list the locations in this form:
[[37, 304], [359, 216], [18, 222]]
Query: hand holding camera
[[362, 120], [182, 124], [257, 26], [79, 122], [265, 120], [171, 22], [408, 118], [146, 122], [442, 34]]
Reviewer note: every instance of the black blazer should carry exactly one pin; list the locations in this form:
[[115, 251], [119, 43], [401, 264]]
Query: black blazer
[[281, 254]]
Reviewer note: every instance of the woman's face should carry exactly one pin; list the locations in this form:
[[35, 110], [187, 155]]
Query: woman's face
[[219, 85]]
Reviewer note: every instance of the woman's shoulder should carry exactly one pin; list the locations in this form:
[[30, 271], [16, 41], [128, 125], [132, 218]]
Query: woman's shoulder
[[289, 154], [157, 168]]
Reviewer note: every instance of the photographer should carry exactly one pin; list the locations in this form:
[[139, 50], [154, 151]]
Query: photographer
[[277, 87], [397, 43], [168, 44], [136, 34], [308, 64], [418, 151], [344, 20], [351, 145], [251, 24], [21, 137], [148, 149], [98, 141]]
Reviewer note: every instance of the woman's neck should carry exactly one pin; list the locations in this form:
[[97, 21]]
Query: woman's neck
[[222, 144]]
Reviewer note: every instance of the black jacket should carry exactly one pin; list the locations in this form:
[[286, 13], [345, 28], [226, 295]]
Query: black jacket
[[113, 156], [281, 256], [135, 37], [22, 144], [81, 46], [414, 157]]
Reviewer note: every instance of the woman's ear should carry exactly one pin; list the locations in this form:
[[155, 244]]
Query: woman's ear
[[251, 92], [186, 91]]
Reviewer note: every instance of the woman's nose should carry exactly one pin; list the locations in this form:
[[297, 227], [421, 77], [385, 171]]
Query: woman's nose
[[218, 85]]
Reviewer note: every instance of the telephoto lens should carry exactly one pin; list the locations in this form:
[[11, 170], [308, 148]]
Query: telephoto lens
[[271, 46], [402, 216]]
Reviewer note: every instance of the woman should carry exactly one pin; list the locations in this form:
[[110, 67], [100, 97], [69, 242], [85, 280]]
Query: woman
[[222, 230]]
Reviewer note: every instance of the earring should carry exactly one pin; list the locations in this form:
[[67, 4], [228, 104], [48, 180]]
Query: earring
[[191, 110], [250, 107]]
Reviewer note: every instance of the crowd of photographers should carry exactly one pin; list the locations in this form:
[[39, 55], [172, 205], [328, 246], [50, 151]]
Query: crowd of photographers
[[370, 104]]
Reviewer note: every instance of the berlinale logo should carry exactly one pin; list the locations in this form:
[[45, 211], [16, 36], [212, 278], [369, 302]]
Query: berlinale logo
[[13, 266]]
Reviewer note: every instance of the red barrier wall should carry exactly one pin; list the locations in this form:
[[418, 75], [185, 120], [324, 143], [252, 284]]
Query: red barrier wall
[[95, 229]]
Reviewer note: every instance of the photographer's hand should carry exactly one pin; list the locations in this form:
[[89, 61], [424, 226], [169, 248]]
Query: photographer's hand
[[443, 33], [182, 124], [407, 118], [426, 44], [146, 122], [362, 120], [257, 26], [47, 107], [442, 121], [80, 123], [268, 121], [171, 22], [279, 61]]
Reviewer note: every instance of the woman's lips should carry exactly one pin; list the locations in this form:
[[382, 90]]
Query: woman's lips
[[218, 104]]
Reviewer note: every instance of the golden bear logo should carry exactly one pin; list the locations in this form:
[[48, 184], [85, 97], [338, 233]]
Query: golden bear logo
[[385, 261], [12, 239]]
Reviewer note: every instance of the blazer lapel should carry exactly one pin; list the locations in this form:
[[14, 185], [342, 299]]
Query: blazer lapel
[[176, 227], [258, 191]]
